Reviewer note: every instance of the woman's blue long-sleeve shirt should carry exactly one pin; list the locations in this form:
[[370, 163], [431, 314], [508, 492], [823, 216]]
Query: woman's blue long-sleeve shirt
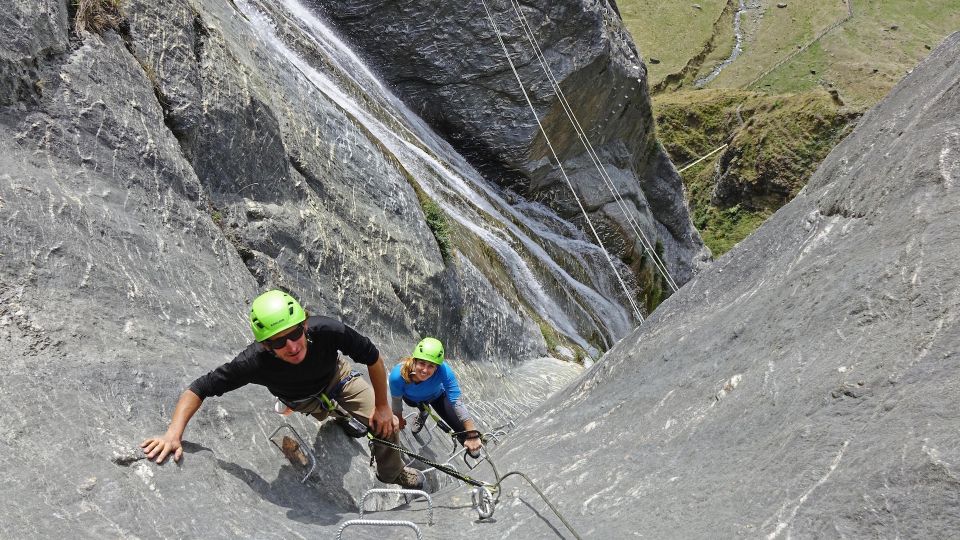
[[442, 380]]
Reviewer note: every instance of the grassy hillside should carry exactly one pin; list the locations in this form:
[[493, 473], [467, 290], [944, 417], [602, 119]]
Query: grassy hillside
[[654, 24], [806, 72], [774, 142]]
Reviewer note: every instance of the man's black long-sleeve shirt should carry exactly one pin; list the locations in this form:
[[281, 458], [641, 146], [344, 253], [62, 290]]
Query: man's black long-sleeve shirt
[[257, 365]]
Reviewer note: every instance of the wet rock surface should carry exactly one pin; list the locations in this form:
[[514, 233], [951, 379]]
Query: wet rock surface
[[144, 201], [445, 60], [803, 386]]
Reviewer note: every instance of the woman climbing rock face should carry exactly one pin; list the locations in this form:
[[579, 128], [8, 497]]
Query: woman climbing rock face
[[424, 381]]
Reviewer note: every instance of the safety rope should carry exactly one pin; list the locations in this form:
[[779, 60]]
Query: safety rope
[[594, 158], [495, 488], [563, 172], [542, 496], [427, 461], [712, 152]]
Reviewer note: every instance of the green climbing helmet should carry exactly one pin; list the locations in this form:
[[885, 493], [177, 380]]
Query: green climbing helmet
[[429, 349], [273, 312]]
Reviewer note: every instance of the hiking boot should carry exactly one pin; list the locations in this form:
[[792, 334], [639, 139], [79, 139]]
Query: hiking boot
[[291, 449], [420, 421], [409, 478]]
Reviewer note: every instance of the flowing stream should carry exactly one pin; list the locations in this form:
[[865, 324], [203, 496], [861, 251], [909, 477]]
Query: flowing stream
[[737, 49]]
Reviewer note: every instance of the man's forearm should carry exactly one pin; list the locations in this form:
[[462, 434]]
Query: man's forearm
[[378, 378], [187, 405]]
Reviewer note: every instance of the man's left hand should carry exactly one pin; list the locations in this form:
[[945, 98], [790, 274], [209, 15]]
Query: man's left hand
[[382, 422]]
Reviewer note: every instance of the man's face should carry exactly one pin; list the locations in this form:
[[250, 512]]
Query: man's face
[[294, 344]]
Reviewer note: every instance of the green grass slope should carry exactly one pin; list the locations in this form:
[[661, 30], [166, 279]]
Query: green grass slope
[[806, 72]]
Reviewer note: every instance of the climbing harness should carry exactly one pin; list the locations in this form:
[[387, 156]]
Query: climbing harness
[[343, 382], [321, 396], [293, 446], [353, 427]]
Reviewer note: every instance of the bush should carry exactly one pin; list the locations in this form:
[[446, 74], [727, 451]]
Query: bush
[[97, 16], [437, 221]]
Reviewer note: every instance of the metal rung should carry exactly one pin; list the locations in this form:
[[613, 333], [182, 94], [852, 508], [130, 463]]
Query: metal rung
[[380, 523], [404, 492], [417, 435]]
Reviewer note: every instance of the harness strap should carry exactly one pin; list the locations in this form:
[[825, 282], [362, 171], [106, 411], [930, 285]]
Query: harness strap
[[328, 401], [335, 393]]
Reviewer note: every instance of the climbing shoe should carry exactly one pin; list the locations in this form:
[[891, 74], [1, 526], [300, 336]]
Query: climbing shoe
[[420, 421], [409, 478]]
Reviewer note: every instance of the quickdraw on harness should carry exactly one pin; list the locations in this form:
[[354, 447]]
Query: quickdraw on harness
[[353, 427]]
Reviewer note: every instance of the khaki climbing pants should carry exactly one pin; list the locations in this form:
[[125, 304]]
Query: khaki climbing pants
[[357, 398]]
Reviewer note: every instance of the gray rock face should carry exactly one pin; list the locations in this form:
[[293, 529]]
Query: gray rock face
[[152, 181], [445, 59], [802, 386], [805, 385], [29, 33]]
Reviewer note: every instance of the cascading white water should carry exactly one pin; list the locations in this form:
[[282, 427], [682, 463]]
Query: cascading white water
[[540, 252], [515, 233]]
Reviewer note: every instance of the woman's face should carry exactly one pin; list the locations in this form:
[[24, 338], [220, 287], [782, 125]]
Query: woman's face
[[422, 370]]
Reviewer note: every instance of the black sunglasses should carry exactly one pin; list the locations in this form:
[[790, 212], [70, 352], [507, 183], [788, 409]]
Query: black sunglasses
[[281, 342]]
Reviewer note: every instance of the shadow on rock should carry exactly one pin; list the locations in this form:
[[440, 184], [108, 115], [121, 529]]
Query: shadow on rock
[[307, 504], [316, 501]]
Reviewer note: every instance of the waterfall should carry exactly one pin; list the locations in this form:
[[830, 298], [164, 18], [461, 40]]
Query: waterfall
[[522, 234]]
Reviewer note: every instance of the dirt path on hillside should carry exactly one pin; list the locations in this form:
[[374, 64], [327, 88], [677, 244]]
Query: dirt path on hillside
[[802, 49]]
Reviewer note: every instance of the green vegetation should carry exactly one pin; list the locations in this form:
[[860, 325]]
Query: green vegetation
[[775, 144], [862, 56], [653, 287], [772, 34], [434, 215], [805, 74], [550, 335], [555, 340], [437, 221], [97, 16], [655, 25], [867, 55]]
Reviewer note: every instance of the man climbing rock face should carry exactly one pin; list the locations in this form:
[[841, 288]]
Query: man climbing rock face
[[297, 358]]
